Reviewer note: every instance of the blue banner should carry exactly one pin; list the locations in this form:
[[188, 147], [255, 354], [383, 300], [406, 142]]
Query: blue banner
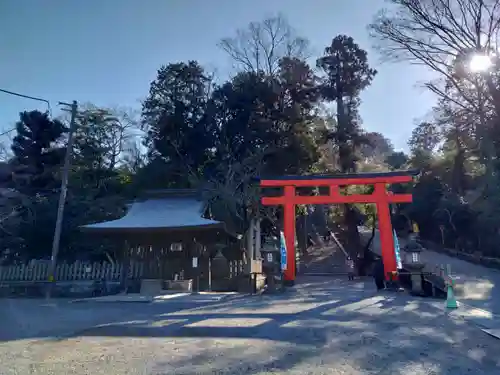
[[397, 250], [283, 251]]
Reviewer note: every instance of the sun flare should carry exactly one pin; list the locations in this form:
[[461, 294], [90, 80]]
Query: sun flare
[[480, 63]]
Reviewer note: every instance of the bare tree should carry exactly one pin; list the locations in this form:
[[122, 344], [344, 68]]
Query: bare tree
[[262, 45], [134, 156], [439, 34], [124, 131], [5, 150], [110, 130], [445, 35]]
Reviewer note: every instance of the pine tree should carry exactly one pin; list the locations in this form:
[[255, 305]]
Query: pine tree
[[37, 151]]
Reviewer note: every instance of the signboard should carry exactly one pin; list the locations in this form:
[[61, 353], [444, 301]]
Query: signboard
[[397, 250], [176, 247], [415, 228], [283, 251], [195, 262], [256, 266]]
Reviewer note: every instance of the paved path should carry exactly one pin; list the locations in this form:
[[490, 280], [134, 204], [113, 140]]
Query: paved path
[[322, 326], [478, 286]]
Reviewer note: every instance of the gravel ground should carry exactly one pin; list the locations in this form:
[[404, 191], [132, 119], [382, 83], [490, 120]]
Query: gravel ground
[[477, 286], [320, 327]]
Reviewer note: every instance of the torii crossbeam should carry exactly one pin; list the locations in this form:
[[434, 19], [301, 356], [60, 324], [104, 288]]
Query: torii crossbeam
[[380, 196]]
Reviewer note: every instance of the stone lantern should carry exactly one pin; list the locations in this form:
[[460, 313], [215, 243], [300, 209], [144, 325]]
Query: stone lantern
[[269, 251], [271, 262], [412, 262]]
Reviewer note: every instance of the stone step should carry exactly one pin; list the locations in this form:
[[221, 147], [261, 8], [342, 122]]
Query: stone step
[[326, 260]]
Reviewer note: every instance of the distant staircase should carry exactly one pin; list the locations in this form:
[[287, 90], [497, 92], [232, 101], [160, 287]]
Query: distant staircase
[[324, 260]]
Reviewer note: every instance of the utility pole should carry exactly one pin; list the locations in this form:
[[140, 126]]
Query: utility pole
[[62, 195]]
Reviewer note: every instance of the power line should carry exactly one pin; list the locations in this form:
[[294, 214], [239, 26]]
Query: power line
[[26, 97], [62, 195], [8, 131], [64, 181]]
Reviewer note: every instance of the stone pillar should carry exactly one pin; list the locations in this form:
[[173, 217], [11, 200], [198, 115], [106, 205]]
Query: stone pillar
[[416, 283], [258, 244], [415, 270]]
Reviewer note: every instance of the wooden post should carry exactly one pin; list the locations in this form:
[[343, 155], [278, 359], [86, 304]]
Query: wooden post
[[385, 231], [258, 244], [289, 232], [125, 267], [249, 240], [209, 272]]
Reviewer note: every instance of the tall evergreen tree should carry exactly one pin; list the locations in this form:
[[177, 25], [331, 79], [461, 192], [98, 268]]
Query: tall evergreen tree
[[174, 116], [346, 73], [38, 152]]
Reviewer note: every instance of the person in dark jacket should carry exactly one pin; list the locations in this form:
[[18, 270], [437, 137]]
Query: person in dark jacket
[[310, 242], [378, 274], [326, 237], [350, 268]]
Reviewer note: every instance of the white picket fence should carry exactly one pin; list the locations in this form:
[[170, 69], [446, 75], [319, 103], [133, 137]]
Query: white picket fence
[[68, 272]]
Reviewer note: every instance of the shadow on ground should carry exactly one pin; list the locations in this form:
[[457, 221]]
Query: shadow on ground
[[317, 328], [27, 319]]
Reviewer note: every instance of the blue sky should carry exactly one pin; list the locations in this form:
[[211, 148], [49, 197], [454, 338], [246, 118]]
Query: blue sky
[[108, 52]]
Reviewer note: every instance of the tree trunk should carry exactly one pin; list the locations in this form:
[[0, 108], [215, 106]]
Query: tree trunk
[[354, 247]]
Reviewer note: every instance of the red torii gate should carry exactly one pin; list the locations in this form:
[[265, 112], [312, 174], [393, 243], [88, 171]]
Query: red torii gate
[[380, 196]]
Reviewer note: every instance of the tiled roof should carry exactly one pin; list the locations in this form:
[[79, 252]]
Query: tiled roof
[[159, 213]]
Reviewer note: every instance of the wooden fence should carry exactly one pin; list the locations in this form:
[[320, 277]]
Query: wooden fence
[[34, 271], [68, 272]]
